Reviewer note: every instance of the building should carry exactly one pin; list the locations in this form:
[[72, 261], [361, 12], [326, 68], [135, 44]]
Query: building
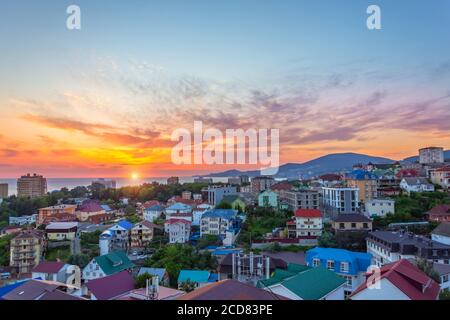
[[60, 231], [179, 230], [305, 283], [301, 199], [390, 246], [268, 198], [229, 290], [236, 202], [431, 155], [441, 233], [418, 184], [57, 213], [330, 179], [379, 207], [142, 234], [26, 250], [106, 265], [306, 226], [441, 177], [178, 208], [439, 213], [198, 212], [58, 271], [173, 180], [239, 180], [203, 180], [262, 183], [216, 193], [218, 222], [153, 213], [9, 230], [23, 220], [366, 182], [110, 287], [31, 186], [107, 183], [186, 195], [3, 190], [199, 278], [91, 210], [351, 222], [121, 233], [340, 199], [39, 290], [443, 271], [400, 280], [161, 273], [352, 266]]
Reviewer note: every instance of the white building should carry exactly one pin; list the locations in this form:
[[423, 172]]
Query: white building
[[341, 199], [23, 220], [216, 194], [217, 222], [198, 211], [153, 213], [379, 207], [308, 226], [178, 208], [441, 177], [431, 155], [179, 230], [58, 271], [444, 273], [417, 184], [441, 233]]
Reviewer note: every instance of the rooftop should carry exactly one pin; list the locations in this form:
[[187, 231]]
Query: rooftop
[[112, 286], [351, 217], [193, 276], [443, 229], [114, 262], [308, 213], [48, 267]]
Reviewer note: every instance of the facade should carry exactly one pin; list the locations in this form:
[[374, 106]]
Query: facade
[[89, 210], [441, 233], [54, 213], [351, 222], [107, 265], [179, 230], [301, 199], [418, 184], [31, 186], [153, 213], [186, 195], [340, 199], [441, 177], [431, 155], [26, 250], [259, 184], [121, 233], [443, 271], [439, 213], [58, 271], [198, 211], [143, 233], [400, 280], [366, 182], [268, 198], [389, 246], [216, 194], [60, 231], [352, 266], [306, 226], [218, 222], [3, 190], [177, 208], [379, 207]]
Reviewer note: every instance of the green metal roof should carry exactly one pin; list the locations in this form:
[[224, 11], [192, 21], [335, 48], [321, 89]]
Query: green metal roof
[[279, 275], [296, 268], [114, 262]]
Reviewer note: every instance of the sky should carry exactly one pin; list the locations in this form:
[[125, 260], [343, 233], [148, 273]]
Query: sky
[[103, 101]]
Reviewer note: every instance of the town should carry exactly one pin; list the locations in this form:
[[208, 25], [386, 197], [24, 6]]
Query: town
[[253, 238]]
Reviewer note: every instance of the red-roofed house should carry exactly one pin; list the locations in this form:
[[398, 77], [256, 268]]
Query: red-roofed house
[[441, 177], [88, 209], [306, 226], [110, 287], [179, 230], [400, 280], [439, 213], [57, 271]]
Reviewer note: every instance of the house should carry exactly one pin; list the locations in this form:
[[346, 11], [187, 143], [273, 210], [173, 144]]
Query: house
[[268, 198], [306, 226], [235, 201], [350, 265], [216, 193], [121, 233], [218, 222], [366, 182], [60, 231], [439, 213], [417, 184], [351, 222], [198, 211], [6, 231], [26, 250], [400, 280], [443, 270], [153, 213], [58, 271], [200, 278], [142, 234], [110, 287], [379, 207], [54, 213], [23, 220], [441, 177], [178, 208], [161, 273], [185, 216], [305, 283], [441, 233], [390, 246], [107, 265], [39, 290], [179, 230], [229, 290], [91, 210], [330, 179]]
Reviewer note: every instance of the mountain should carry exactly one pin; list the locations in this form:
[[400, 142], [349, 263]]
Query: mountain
[[325, 164], [416, 158]]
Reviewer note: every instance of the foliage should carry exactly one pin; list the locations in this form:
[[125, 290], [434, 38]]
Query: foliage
[[140, 281], [90, 238], [187, 286], [208, 240], [427, 268], [133, 218], [444, 295], [276, 247], [4, 249], [327, 240], [224, 205], [177, 257], [60, 253], [80, 260]]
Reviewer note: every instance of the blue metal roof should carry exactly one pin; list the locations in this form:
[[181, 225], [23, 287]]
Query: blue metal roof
[[179, 206], [106, 207], [362, 175], [160, 272], [156, 207], [228, 214], [127, 225], [193, 276]]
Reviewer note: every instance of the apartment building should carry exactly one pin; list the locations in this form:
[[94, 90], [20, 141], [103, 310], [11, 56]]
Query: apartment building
[[218, 222], [431, 155], [56, 213], [3, 190], [31, 186], [142, 234], [366, 182], [379, 207], [301, 199], [440, 176], [216, 193], [179, 230], [260, 184], [340, 199], [306, 226], [26, 250]]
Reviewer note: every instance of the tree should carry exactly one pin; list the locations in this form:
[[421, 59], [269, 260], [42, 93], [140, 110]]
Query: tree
[[141, 280], [327, 240], [187, 286], [208, 240], [427, 267], [444, 295], [80, 260], [224, 205]]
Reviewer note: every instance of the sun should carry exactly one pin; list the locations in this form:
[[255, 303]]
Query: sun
[[134, 176]]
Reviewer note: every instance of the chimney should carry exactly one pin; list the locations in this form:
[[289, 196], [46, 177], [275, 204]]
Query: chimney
[[267, 267]]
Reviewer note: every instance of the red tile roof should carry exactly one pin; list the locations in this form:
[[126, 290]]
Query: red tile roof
[[48, 267], [442, 209], [308, 213], [112, 286], [444, 169], [330, 177], [409, 279], [90, 206], [282, 186], [173, 221], [150, 203]]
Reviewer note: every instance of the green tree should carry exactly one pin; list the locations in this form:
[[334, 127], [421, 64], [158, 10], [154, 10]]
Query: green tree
[[427, 267], [224, 205], [327, 240], [187, 286], [80, 260]]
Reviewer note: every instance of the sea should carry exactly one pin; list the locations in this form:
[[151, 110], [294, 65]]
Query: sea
[[56, 184]]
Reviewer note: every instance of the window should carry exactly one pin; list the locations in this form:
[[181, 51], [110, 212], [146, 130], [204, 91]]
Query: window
[[444, 278], [349, 280], [344, 266], [365, 225], [330, 264], [341, 225], [353, 225], [316, 262]]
